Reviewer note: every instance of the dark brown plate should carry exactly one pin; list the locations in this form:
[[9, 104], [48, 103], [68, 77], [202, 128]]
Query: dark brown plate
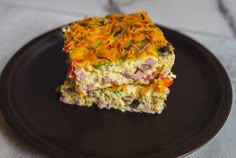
[[198, 105]]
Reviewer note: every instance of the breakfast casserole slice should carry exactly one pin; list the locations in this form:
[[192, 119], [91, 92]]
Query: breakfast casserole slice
[[118, 61]]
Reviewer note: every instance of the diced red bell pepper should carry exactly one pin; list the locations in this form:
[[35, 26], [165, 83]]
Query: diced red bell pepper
[[167, 82]]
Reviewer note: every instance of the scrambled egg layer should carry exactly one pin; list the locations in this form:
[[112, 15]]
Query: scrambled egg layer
[[118, 61]]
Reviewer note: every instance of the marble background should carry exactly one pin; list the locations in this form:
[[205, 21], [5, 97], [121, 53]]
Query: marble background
[[216, 17], [210, 22]]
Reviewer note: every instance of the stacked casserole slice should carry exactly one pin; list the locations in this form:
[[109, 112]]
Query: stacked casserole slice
[[118, 61]]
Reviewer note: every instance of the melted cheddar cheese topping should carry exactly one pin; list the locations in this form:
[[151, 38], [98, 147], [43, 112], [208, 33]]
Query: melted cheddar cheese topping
[[113, 38]]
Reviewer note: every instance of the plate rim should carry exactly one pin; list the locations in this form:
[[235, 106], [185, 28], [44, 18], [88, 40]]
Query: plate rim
[[14, 122]]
